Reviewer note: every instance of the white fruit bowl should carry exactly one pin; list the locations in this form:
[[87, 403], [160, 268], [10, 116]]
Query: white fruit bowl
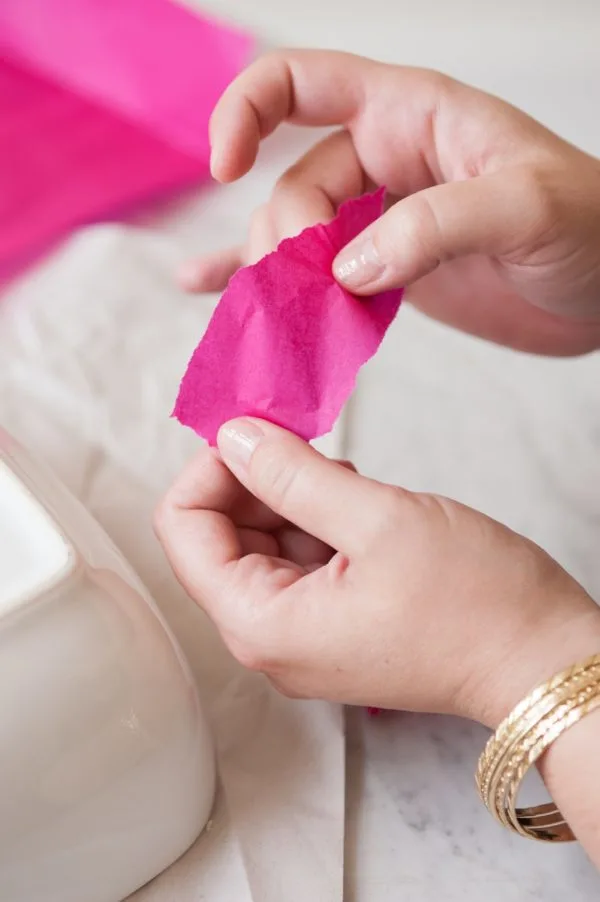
[[107, 769]]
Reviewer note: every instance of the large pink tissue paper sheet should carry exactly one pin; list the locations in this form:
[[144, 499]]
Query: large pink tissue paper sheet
[[286, 342], [153, 62], [65, 161], [103, 104]]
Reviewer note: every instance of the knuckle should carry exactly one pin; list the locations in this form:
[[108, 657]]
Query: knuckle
[[539, 185], [408, 512], [286, 688], [282, 483], [274, 57], [250, 617], [391, 507], [425, 232], [532, 183], [244, 643], [417, 230], [537, 194], [255, 580], [246, 654], [438, 82], [274, 477], [250, 649], [288, 181]]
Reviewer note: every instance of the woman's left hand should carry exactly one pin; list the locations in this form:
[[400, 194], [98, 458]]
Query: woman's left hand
[[340, 587]]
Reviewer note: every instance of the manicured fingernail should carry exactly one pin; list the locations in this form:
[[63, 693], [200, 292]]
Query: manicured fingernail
[[215, 161], [237, 441], [213, 156], [358, 264]]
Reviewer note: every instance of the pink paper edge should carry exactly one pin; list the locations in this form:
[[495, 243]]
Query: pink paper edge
[[177, 411]]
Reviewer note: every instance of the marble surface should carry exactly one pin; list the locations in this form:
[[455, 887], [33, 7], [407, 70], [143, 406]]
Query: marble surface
[[91, 345]]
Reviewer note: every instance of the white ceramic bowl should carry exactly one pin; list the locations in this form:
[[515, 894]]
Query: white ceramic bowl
[[107, 770]]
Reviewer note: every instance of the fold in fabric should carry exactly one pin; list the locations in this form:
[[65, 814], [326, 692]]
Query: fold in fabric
[[286, 341]]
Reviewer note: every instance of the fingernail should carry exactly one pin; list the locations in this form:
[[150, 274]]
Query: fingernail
[[213, 157], [212, 162], [358, 264], [215, 161], [237, 441]]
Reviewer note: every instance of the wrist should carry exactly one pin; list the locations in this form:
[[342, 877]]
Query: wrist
[[532, 652], [569, 770]]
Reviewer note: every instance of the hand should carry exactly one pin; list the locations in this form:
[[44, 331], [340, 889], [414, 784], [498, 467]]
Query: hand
[[495, 223], [343, 588]]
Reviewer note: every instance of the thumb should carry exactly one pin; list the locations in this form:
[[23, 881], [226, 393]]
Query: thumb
[[484, 215], [322, 497]]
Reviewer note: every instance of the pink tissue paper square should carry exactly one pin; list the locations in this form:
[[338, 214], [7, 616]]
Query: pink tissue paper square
[[103, 104], [286, 341]]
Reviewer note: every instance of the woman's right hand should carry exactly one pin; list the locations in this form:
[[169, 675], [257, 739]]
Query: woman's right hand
[[495, 224]]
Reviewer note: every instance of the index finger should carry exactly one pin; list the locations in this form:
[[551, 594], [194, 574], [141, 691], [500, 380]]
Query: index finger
[[283, 86], [203, 524], [192, 523]]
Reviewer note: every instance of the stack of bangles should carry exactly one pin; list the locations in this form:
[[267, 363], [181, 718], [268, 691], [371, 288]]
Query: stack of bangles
[[523, 737]]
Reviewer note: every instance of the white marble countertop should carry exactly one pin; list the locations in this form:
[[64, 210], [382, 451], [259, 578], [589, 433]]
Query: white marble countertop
[[515, 436]]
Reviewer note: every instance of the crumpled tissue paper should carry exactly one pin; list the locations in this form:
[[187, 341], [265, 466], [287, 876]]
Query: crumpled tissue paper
[[286, 341]]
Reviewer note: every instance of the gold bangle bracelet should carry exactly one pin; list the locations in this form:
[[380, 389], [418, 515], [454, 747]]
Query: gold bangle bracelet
[[523, 737]]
